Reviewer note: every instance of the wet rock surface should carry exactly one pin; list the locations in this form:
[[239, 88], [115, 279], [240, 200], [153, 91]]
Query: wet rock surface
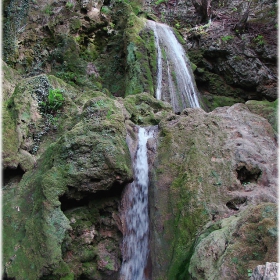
[[213, 188], [229, 62], [64, 200], [210, 168]]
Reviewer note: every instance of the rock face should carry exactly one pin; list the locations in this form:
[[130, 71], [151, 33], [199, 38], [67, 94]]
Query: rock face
[[267, 271], [214, 172], [60, 227], [63, 197], [78, 76]]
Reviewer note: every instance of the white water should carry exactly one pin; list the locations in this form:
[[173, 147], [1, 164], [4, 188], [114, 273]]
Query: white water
[[175, 55], [159, 62], [135, 243]]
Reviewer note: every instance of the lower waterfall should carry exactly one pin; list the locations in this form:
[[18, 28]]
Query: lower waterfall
[[136, 233]]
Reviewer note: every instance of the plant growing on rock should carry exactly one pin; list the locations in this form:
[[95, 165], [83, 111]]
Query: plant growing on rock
[[54, 102], [227, 38], [69, 5], [48, 10], [259, 40]]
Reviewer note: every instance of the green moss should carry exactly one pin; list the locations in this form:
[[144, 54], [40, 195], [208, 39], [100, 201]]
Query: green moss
[[75, 24], [143, 108], [266, 109], [196, 57], [70, 276], [179, 36], [215, 101], [193, 66], [188, 217], [10, 140]]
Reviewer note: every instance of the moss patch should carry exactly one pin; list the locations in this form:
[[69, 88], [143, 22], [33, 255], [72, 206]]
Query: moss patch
[[266, 109]]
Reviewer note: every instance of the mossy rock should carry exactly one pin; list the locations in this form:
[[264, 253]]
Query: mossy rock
[[214, 101], [240, 243], [197, 176], [145, 109], [92, 156], [27, 128], [266, 109]]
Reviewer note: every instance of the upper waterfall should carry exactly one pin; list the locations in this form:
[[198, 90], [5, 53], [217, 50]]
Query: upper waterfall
[[173, 70]]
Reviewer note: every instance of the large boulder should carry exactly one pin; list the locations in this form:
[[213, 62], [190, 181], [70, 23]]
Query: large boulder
[[51, 237], [209, 168]]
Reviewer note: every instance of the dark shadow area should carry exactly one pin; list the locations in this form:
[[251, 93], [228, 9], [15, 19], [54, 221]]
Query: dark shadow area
[[10, 175], [236, 202], [245, 176], [5, 277], [74, 198]]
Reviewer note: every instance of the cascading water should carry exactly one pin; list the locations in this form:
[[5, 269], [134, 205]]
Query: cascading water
[[181, 93], [136, 234], [178, 70]]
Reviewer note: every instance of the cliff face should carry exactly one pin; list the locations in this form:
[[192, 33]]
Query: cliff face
[[213, 194], [77, 77]]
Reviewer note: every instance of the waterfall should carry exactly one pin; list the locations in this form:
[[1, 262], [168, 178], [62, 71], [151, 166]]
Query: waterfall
[[159, 64], [136, 233], [179, 73]]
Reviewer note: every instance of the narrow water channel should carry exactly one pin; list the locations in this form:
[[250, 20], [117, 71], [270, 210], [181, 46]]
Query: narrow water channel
[[136, 234]]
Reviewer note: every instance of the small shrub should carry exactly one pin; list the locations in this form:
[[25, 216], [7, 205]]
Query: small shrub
[[105, 10], [250, 272], [160, 1], [54, 102], [48, 10], [259, 40], [69, 5], [227, 38]]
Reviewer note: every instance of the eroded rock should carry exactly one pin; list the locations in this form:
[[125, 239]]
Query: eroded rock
[[269, 271], [212, 166]]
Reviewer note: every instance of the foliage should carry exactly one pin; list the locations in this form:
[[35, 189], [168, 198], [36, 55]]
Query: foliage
[[250, 272], [160, 1], [259, 40], [48, 10], [69, 5], [105, 10], [54, 102], [227, 38]]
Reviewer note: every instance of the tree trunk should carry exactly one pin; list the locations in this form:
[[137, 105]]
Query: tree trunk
[[203, 8], [241, 25]]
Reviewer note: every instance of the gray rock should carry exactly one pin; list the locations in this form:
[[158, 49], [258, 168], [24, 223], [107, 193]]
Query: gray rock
[[269, 271]]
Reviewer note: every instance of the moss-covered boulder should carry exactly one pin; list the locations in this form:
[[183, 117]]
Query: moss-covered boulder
[[48, 229], [266, 109], [209, 166], [26, 123], [233, 247], [143, 109]]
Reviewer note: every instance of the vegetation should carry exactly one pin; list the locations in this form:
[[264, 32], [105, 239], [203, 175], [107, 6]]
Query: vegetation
[[69, 5], [48, 10], [227, 38], [54, 101], [160, 1], [259, 40]]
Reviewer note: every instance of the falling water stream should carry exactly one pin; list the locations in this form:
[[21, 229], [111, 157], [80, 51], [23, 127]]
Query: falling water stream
[[181, 91], [135, 243], [173, 69]]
